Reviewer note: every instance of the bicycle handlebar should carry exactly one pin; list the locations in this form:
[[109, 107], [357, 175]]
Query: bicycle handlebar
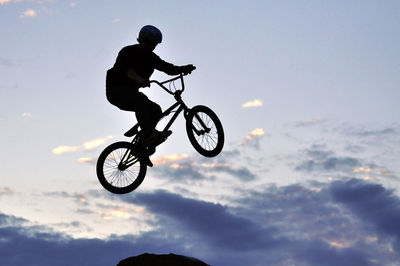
[[161, 84]]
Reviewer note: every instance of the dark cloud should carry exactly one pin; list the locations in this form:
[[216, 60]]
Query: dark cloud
[[332, 163], [241, 173], [181, 172], [280, 226], [8, 62], [372, 203], [198, 168], [320, 253], [362, 132], [228, 154], [211, 222], [341, 223], [320, 159], [27, 245]]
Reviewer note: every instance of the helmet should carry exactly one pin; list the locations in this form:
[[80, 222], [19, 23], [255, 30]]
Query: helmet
[[150, 34]]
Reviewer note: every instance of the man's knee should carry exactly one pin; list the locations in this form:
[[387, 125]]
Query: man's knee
[[156, 109]]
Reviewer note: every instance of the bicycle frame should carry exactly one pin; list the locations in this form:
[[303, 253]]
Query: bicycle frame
[[180, 105], [177, 107]]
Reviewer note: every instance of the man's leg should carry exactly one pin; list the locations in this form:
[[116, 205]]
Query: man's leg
[[147, 113]]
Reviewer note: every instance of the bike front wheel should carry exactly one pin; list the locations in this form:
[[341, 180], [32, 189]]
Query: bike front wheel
[[205, 131], [118, 169]]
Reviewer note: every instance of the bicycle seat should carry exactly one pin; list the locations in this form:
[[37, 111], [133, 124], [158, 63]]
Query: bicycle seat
[[134, 130]]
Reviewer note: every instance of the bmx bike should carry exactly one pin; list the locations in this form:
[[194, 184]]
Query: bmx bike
[[119, 167]]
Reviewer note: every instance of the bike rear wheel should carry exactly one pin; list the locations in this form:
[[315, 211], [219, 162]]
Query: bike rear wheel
[[118, 170], [205, 131]]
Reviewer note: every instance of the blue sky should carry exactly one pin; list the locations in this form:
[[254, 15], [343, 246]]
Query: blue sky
[[307, 92]]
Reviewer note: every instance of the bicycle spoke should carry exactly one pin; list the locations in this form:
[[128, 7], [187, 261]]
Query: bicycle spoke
[[117, 177], [207, 140]]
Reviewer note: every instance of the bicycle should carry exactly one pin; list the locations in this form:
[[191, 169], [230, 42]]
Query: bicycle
[[119, 167]]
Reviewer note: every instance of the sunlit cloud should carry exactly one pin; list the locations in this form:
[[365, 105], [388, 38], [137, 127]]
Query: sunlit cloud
[[64, 149], [362, 170], [178, 166], [169, 159], [28, 13], [215, 165], [385, 172], [258, 132], [86, 160], [6, 191], [2, 2], [95, 143], [118, 213], [371, 239], [339, 245], [253, 103], [89, 145], [254, 137], [26, 115], [375, 172]]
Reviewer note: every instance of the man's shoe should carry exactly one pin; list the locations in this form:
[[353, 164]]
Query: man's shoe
[[157, 137], [146, 161]]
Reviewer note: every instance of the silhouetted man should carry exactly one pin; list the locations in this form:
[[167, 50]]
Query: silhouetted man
[[131, 71]]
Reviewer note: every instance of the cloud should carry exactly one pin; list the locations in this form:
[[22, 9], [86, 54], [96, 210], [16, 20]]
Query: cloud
[[116, 213], [26, 115], [29, 13], [362, 132], [169, 158], [89, 160], [276, 227], [64, 149], [181, 167], [22, 244], [2, 2], [212, 222], [5, 191], [185, 171], [8, 62], [89, 145], [81, 198], [116, 20], [253, 103], [308, 122], [78, 197], [341, 223], [95, 143], [254, 137], [241, 173], [321, 160], [372, 203], [258, 132]]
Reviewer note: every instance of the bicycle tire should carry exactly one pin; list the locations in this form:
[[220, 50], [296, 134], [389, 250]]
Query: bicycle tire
[[208, 144], [111, 176]]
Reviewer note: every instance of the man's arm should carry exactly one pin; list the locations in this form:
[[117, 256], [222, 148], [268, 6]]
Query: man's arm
[[171, 69], [142, 82]]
